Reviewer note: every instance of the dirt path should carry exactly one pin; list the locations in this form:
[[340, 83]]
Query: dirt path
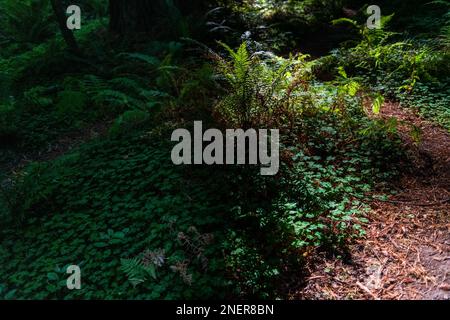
[[406, 253]]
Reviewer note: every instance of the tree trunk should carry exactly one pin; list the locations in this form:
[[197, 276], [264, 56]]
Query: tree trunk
[[130, 16], [67, 34]]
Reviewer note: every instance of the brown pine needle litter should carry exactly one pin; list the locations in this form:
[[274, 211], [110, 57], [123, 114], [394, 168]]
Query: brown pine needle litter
[[406, 252]]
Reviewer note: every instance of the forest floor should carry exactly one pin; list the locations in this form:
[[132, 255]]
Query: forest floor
[[63, 145], [406, 252]]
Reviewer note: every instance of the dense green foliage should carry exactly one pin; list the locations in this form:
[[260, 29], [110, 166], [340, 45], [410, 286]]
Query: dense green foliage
[[143, 228]]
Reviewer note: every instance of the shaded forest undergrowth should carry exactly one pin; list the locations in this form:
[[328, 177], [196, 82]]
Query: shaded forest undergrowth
[[405, 254]]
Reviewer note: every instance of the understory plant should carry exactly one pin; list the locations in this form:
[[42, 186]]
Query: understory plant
[[332, 153]]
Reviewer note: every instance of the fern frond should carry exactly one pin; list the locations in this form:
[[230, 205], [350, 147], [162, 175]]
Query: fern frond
[[93, 84], [136, 271], [128, 84], [113, 97], [133, 270], [26, 20], [444, 3]]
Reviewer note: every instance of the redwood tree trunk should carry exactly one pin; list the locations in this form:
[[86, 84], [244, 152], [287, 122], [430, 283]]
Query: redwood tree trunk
[[129, 16], [67, 34]]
